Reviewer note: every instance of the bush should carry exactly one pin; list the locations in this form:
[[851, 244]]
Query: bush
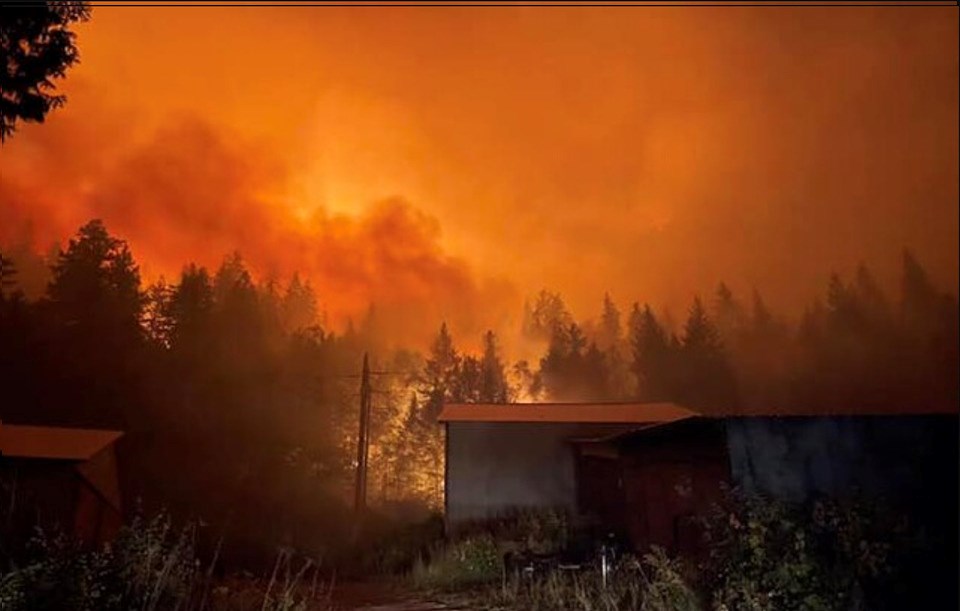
[[665, 587], [467, 562], [759, 555], [536, 530], [150, 566], [825, 555], [393, 547]]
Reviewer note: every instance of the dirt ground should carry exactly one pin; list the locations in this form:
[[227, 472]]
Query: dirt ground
[[379, 596]]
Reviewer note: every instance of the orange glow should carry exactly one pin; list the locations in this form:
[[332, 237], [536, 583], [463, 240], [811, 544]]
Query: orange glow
[[445, 162]]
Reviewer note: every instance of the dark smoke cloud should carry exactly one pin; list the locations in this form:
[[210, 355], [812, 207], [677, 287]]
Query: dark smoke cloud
[[650, 152], [191, 193]]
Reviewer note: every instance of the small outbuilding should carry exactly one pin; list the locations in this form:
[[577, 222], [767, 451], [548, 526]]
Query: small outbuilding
[[60, 477], [645, 470]]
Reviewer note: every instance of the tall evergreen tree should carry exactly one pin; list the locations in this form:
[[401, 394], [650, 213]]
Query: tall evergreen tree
[[156, 318], [875, 308], [570, 370], [439, 380], [728, 314], [761, 357], [191, 306], [299, 305], [96, 304], [610, 330], [493, 381], [929, 322], [760, 317], [610, 342], [96, 284], [919, 299], [707, 380], [653, 356]]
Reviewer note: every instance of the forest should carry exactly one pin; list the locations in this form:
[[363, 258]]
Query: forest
[[239, 404]]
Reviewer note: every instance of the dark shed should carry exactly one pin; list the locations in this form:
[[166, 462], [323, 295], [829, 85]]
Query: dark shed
[[502, 457], [60, 476], [646, 469]]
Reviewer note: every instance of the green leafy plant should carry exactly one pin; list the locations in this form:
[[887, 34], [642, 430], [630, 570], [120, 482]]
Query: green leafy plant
[[464, 563], [151, 566], [824, 555]]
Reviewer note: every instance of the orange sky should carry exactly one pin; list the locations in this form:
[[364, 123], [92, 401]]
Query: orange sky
[[447, 162]]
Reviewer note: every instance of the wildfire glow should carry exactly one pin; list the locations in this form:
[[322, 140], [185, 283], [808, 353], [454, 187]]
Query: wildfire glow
[[444, 163]]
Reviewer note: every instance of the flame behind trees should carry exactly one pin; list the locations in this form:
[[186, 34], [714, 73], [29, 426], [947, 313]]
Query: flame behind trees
[[238, 382]]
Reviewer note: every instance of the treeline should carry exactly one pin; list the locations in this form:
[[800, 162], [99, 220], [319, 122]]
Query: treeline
[[241, 407], [851, 350], [235, 401]]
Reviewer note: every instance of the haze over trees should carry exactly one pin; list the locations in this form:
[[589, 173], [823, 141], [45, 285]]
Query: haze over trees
[[237, 400]]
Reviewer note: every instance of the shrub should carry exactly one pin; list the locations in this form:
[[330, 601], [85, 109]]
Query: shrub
[[537, 530], [467, 562], [664, 586], [825, 555], [150, 566], [393, 548]]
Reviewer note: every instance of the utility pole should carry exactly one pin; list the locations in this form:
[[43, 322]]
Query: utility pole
[[363, 439]]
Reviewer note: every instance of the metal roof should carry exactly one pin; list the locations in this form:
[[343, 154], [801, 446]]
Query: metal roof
[[607, 413], [649, 414], [22, 441]]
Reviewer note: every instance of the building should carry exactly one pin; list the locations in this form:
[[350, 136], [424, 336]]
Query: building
[[644, 470], [60, 477]]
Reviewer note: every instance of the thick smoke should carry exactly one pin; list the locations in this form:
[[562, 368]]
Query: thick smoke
[[648, 152], [190, 193]]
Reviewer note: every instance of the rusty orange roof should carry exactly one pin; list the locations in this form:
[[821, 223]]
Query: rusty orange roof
[[607, 413], [22, 441]]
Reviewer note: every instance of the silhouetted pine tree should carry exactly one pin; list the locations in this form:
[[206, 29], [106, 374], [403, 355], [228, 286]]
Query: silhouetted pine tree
[[493, 380], [706, 378], [654, 358], [610, 340], [729, 315], [95, 303], [298, 308], [439, 382], [929, 320], [762, 359]]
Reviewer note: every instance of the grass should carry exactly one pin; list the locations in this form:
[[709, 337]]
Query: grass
[[758, 554], [152, 566], [466, 563], [654, 583]]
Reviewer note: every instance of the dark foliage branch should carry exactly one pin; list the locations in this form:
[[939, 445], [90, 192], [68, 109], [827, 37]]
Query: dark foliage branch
[[37, 47]]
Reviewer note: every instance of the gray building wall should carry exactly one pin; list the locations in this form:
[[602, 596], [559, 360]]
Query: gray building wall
[[495, 467], [794, 458]]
